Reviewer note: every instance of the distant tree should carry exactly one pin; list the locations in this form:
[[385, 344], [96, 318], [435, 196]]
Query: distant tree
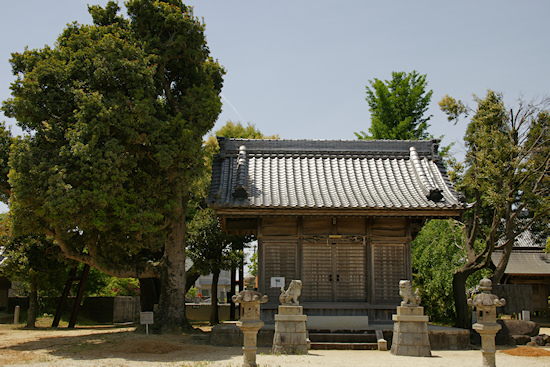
[[233, 129], [116, 113], [398, 107], [507, 178], [213, 250]]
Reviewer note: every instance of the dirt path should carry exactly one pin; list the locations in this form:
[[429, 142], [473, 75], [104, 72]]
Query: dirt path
[[112, 346]]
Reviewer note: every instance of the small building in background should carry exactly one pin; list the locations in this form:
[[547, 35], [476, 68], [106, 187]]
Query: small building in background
[[526, 280], [204, 285]]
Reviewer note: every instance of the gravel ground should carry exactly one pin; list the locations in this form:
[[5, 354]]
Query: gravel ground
[[111, 346]]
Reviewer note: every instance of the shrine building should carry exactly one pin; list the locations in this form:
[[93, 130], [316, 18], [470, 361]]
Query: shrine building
[[339, 215]]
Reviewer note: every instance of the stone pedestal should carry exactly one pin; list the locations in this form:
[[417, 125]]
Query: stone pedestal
[[486, 304], [410, 332], [250, 330], [488, 349], [290, 331], [250, 321]]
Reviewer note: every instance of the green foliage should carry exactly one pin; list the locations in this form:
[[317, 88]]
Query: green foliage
[[398, 107], [116, 113], [5, 144], [32, 259], [209, 247], [192, 292], [452, 108], [121, 287], [506, 175], [237, 130], [437, 252], [254, 264]]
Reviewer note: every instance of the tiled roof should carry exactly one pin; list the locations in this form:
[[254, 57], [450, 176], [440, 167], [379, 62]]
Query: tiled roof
[[354, 174], [525, 261]]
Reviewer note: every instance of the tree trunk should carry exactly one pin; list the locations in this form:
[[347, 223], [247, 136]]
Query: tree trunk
[[463, 316], [214, 318], [170, 315], [33, 305]]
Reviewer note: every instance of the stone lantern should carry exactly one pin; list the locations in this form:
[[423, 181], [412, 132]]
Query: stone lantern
[[486, 305], [250, 321]]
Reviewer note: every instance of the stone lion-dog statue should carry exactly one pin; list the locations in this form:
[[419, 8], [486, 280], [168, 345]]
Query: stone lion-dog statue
[[290, 296], [410, 298]]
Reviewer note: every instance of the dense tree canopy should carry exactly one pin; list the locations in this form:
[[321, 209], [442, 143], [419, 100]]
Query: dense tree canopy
[[507, 178], [398, 107], [116, 112]]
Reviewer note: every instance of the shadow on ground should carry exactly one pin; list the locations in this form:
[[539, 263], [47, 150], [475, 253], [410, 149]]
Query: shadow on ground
[[123, 344]]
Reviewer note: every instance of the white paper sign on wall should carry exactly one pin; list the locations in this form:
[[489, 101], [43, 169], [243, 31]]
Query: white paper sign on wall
[[277, 282]]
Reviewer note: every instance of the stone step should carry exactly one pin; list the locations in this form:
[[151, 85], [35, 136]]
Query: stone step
[[343, 337], [343, 346]]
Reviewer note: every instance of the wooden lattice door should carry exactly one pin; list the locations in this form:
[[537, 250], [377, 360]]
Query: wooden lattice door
[[279, 261], [351, 272], [390, 266], [334, 272]]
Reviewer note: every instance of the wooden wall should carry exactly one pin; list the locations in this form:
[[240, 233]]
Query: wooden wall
[[351, 260]]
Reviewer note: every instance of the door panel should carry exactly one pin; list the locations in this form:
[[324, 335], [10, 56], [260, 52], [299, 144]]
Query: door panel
[[389, 269], [334, 272], [350, 272], [317, 272]]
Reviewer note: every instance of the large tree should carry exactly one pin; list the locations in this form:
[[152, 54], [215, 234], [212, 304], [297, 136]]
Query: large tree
[[115, 113], [506, 177], [398, 107]]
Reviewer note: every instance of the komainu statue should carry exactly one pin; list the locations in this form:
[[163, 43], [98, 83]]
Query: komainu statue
[[290, 296], [410, 298]]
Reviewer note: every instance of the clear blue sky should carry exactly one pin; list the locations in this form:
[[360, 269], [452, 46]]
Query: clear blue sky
[[299, 68]]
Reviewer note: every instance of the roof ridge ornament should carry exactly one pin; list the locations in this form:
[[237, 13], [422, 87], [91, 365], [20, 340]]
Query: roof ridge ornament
[[432, 193], [239, 192]]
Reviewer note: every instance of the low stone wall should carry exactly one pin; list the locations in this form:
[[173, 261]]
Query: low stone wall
[[447, 338], [201, 312], [228, 334], [441, 338]]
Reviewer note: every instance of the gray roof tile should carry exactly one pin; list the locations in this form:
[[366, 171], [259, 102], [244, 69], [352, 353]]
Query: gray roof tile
[[525, 261], [339, 174]]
